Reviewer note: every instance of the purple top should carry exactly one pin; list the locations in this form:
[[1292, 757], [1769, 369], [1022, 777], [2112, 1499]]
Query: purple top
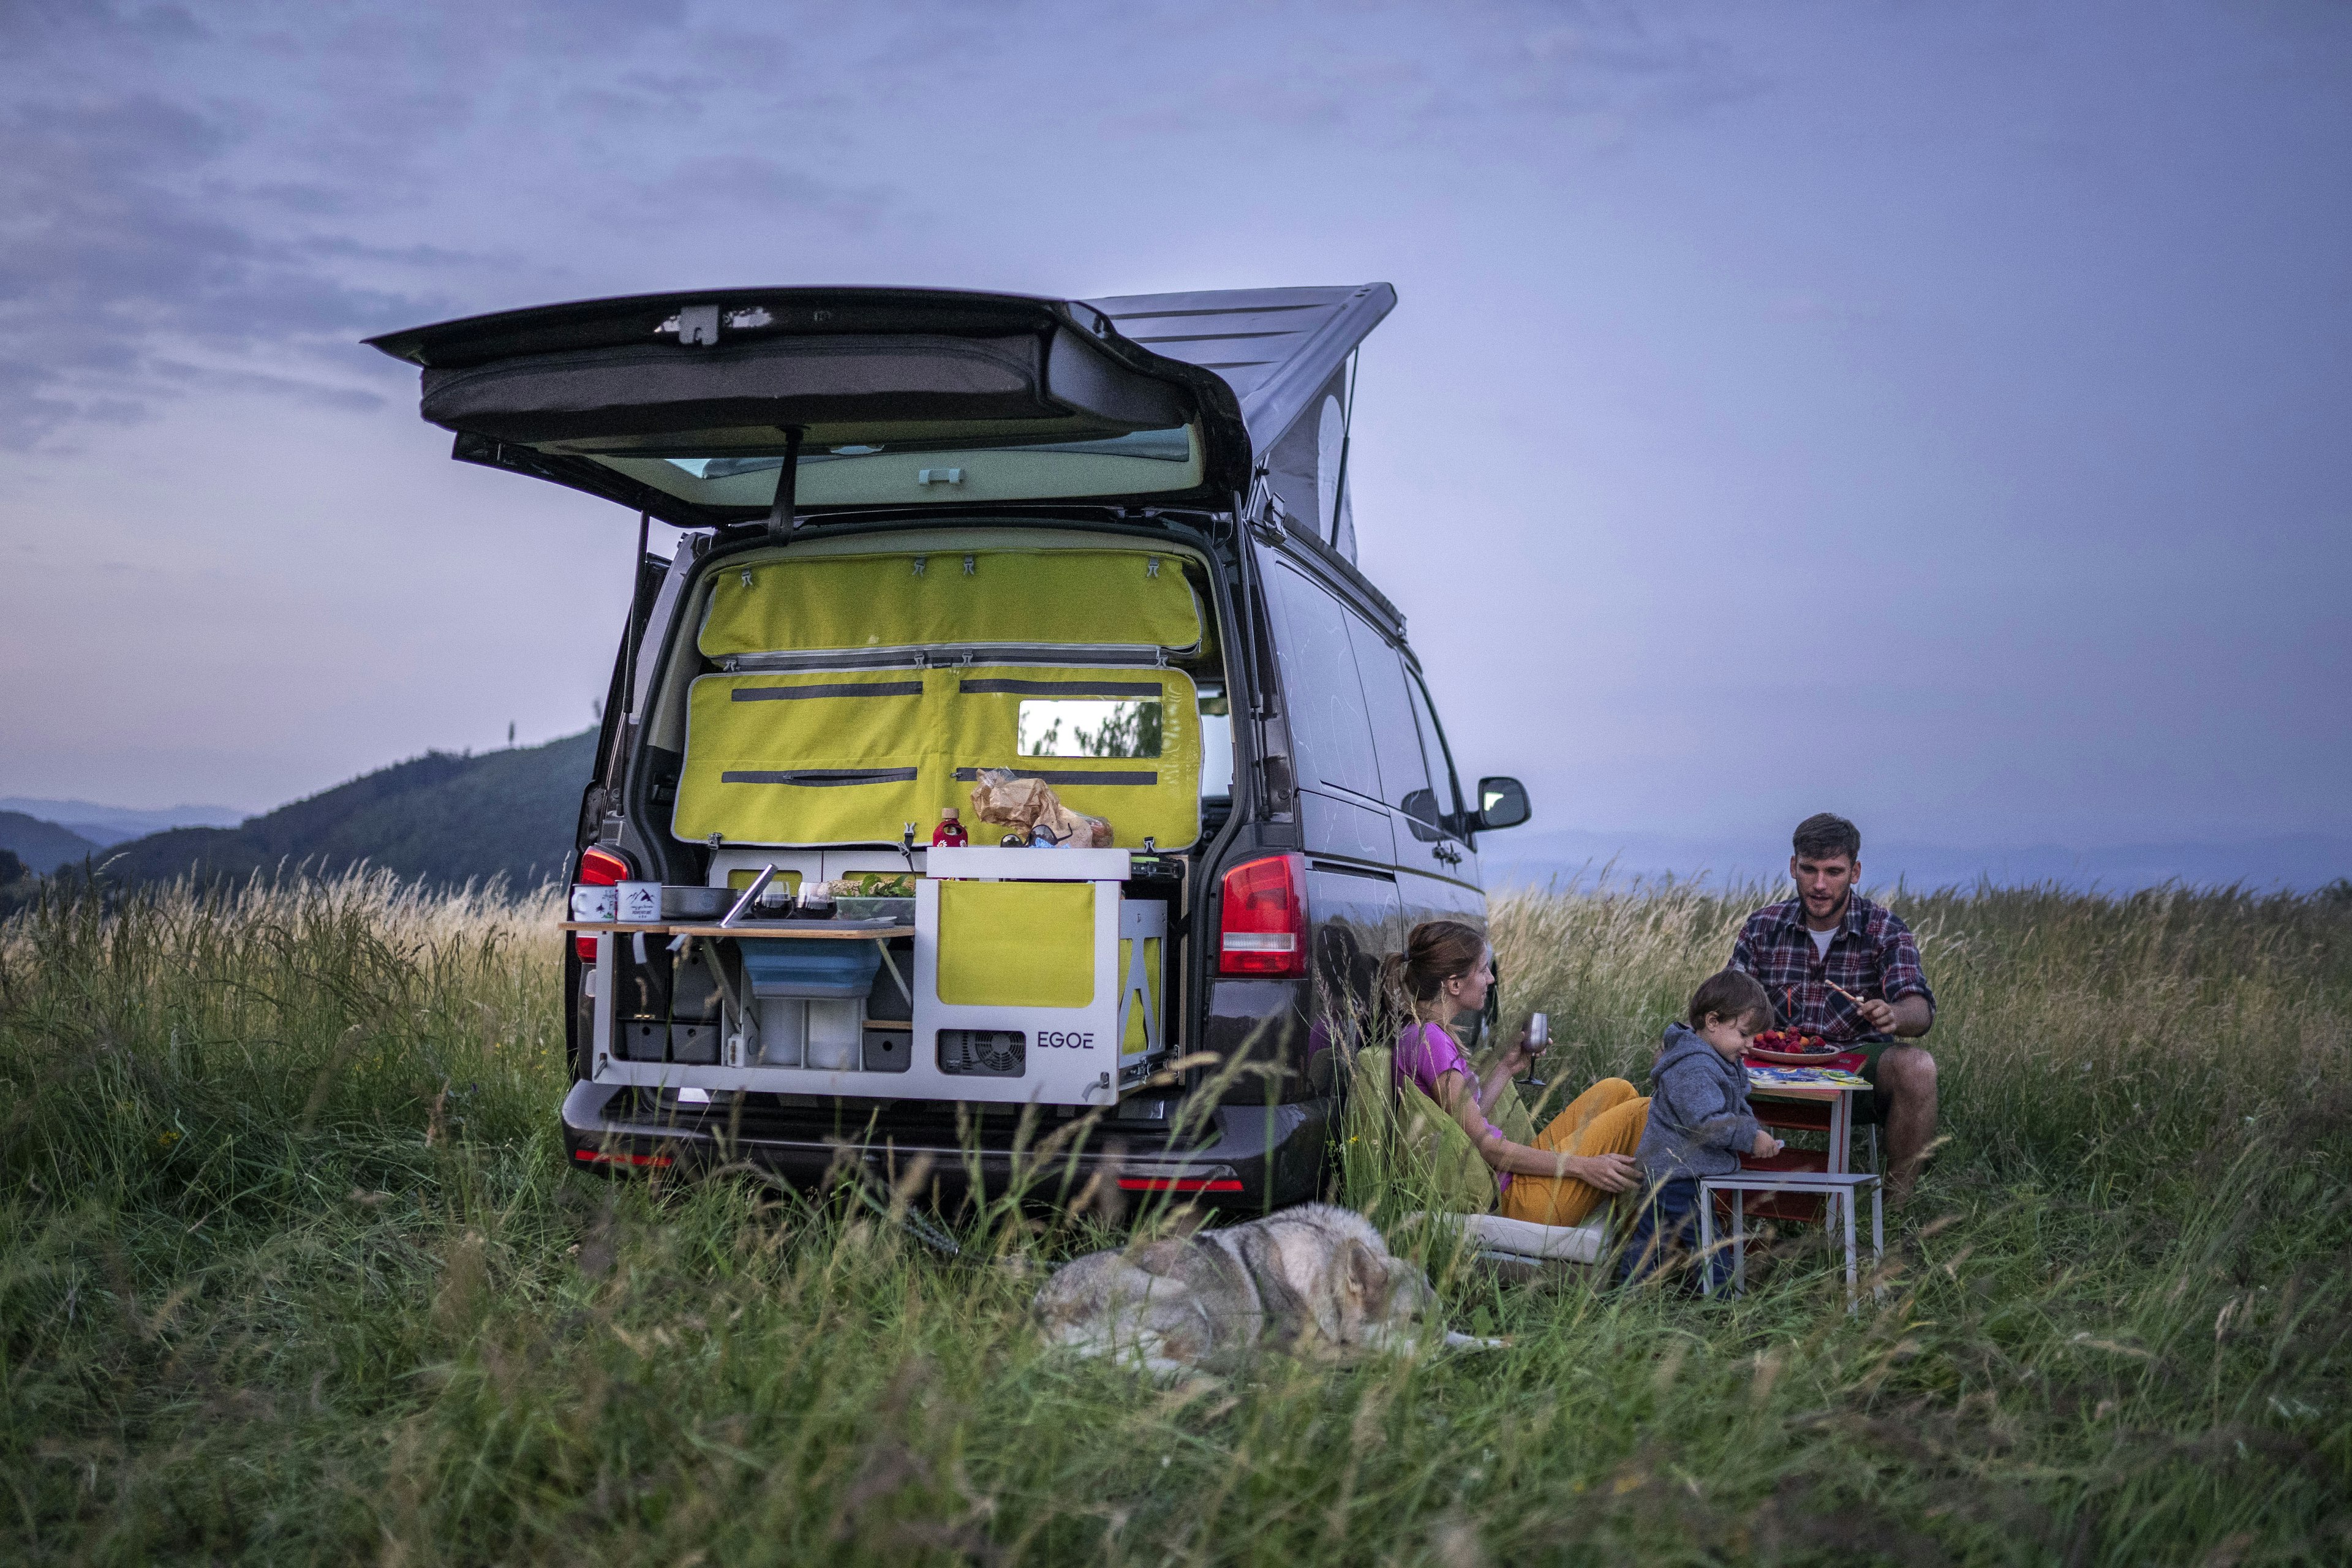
[[1424, 1052]]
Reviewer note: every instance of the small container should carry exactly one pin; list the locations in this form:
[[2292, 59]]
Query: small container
[[816, 903], [950, 832], [640, 903], [683, 901], [1539, 1030], [595, 905], [775, 900]]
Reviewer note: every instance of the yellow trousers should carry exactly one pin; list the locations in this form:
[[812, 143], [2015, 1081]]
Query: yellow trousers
[[1607, 1119]]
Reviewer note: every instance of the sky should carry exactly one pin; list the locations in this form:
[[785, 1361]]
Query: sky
[[1934, 414]]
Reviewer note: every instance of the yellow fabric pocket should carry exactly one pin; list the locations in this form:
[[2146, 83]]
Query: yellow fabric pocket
[[824, 603], [1017, 944]]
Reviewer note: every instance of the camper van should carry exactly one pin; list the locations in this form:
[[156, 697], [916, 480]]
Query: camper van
[[1080, 572]]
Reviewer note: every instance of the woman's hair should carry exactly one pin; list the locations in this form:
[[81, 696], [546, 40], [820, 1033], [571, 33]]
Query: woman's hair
[[1433, 954], [1729, 994]]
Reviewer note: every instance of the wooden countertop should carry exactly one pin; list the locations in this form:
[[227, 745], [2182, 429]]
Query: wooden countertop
[[774, 930]]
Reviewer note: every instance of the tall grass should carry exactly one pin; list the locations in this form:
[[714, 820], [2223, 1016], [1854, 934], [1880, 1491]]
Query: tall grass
[[2077, 1036], [290, 1270]]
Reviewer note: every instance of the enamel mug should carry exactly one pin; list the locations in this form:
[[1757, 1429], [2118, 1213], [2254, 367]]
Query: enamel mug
[[593, 904], [641, 903]]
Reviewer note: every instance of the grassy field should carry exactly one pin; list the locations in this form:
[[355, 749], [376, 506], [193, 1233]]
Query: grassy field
[[290, 1270]]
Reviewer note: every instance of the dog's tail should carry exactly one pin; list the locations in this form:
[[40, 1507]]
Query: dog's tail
[[913, 1221], [932, 1234]]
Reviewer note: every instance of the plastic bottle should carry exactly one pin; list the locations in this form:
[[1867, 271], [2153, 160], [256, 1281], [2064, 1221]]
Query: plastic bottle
[[950, 832]]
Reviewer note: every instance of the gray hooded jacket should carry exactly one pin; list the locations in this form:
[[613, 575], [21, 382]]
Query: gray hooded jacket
[[1699, 1119]]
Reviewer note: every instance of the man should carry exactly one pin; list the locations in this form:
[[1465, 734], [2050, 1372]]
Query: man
[[1840, 966]]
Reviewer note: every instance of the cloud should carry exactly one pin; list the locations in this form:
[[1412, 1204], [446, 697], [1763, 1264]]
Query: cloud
[[750, 181], [118, 240], [212, 378], [1483, 78]]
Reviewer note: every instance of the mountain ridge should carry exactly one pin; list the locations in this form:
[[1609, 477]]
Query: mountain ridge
[[42, 845], [2303, 862], [444, 817], [103, 824]]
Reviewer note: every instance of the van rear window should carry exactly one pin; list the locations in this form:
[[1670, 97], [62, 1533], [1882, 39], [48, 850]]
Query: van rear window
[[849, 473]]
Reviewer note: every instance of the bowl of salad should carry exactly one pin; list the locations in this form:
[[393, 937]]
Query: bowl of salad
[[874, 896]]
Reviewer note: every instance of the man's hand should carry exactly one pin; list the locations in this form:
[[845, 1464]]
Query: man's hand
[[1766, 1145], [1906, 1018]]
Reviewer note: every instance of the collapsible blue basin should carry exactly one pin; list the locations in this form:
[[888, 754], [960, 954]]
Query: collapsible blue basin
[[788, 968]]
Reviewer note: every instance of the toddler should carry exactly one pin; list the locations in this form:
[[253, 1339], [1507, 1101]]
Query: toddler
[[1699, 1122]]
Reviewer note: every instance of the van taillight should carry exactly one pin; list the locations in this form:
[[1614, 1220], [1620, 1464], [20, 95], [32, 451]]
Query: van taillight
[[1263, 927], [598, 868]]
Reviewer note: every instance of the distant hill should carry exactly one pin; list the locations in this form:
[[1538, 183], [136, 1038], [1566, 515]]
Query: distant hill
[[105, 824], [441, 816], [43, 846]]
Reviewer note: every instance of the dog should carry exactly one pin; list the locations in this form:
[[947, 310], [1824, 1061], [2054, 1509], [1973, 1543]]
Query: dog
[[1314, 1281]]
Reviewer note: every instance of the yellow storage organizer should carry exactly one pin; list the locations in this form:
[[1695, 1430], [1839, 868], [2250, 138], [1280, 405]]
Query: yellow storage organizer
[[824, 603], [851, 757]]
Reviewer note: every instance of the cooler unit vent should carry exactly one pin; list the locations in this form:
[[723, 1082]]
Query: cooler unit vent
[[983, 1053]]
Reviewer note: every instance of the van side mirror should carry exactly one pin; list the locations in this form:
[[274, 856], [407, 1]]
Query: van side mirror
[[1502, 802]]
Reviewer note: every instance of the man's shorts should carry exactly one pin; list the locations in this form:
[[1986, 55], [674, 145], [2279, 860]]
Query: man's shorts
[[1870, 1110]]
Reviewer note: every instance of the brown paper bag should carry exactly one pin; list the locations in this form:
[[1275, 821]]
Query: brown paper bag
[[1028, 804]]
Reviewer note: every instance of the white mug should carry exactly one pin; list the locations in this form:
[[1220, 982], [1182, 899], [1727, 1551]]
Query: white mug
[[594, 905], [640, 903]]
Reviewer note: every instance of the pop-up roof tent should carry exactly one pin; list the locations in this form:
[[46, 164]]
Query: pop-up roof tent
[[689, 406], [1285, 352]]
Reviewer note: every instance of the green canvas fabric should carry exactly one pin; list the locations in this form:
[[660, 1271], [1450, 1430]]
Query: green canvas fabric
[[812, 756], [1371, 1107], [821, 603], [1508, 1116], [1461, 1182], [1430, 1144]]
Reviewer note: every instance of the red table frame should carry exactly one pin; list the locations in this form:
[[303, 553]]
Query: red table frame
[[1832, 1111]]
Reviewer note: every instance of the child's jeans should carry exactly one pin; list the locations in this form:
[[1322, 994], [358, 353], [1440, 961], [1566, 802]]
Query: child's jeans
[[1666, 1234]]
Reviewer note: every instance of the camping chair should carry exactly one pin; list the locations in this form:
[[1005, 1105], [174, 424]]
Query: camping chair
[[1403, 1126]]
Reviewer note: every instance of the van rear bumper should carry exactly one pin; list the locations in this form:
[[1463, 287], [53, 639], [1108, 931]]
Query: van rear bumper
[[1250, 1157]]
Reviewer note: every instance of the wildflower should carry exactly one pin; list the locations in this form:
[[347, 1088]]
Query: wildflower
[[165, 1140]]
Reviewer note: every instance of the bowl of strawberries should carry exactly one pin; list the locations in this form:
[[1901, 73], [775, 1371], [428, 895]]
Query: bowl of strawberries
[[1792, 1048]]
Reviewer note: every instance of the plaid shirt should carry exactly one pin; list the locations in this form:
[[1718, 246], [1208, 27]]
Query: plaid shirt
[[1871, 954]]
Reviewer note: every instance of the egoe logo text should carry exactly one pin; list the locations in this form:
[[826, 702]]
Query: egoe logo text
[[1065, 1039]]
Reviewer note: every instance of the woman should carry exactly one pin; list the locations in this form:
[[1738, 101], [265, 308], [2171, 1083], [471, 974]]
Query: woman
[[1587, 1151]]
